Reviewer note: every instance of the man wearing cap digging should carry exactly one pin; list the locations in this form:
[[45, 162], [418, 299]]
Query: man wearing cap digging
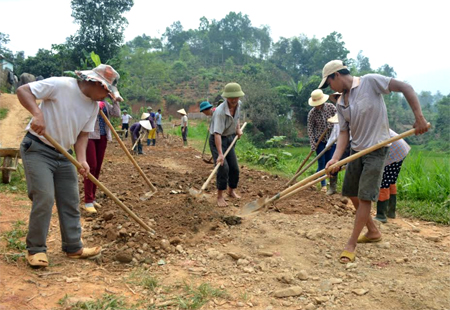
[[361, 110], [67, 113], [224, 127]]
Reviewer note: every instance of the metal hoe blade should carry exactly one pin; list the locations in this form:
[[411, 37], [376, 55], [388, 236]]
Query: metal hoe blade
[[253, 206], [198, 194]]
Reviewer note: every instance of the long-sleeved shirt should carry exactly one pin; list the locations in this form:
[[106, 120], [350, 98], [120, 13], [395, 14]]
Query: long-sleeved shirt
[[317, 123], [135, 129], [111, 111]]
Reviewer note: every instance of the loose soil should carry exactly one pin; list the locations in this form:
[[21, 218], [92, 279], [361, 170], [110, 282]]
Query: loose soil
[[288, 249]]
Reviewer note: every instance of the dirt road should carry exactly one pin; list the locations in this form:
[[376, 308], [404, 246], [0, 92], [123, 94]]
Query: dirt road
[[283, 258]]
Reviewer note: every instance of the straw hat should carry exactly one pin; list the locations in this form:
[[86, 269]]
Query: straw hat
[[146, 124], [182, 111], [334, 119], [145, 115], [317, 98], [106, 75]]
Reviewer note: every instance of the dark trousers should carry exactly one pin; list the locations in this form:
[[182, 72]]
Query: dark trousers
[[138, 146], [125, 127], [95, 152], [184, 133], [322, 161], [228, 174]]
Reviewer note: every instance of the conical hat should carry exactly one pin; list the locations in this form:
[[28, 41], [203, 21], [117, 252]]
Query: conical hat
[[182, 111], [145, 115], [146, 124]]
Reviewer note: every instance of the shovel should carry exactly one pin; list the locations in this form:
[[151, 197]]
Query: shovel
[[124, 148], [98, 183], [310, 153], [310, 164], [199, 194], [262, 202]]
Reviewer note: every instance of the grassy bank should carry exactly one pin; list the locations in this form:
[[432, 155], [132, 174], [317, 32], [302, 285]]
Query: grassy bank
[[423, 184]]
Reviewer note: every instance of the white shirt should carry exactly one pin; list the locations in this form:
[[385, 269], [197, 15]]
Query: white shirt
[[126, 118], [184, 121], [333, 135], [67, 111]]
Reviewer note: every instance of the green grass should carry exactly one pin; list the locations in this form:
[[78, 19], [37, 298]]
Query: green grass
[[107, 301], [13, 236], [197, 297], [3, 113], [18, 183]]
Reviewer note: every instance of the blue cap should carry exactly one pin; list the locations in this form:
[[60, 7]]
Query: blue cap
[[205, 105]]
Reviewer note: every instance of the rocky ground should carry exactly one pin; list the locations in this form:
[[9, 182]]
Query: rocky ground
[[285, 257]]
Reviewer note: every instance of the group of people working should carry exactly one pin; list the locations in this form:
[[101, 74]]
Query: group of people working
[[362, 123]]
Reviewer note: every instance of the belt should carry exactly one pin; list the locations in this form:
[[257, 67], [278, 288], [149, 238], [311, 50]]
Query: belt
[[34, 138]]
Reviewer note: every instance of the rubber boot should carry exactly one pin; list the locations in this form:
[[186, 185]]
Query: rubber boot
[[185, 143], [381, 211], [154, 142], [392, 206], [332, 186]]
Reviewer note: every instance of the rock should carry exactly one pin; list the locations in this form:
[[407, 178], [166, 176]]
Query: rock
[[351, 265], [288, 292], [335, 280], [123, 232], [108, 215], [179, 248], [384, 245], [242, 262], [124, 257], [416, 230], [265, 254], [111, 234], [303, 275], [235, 256], [249, 269], [165, 245], [286, 278], [433, 238], [310, 307], [360, 291], [321, 299], [344, 200], [175, 241]]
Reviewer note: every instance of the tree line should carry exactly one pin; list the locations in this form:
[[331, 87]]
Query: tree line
[[186, 66]]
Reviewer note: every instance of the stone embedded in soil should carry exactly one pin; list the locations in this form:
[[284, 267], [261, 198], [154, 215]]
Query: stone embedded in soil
[[124, 257], [108, 215], [288, 292], [360, 291]]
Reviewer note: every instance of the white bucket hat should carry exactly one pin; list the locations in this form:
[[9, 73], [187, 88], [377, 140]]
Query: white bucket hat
[[317, 98], [106, 75]]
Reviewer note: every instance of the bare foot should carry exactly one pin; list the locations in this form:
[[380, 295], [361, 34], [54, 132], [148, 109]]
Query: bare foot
[[233, 194], [221, 202]]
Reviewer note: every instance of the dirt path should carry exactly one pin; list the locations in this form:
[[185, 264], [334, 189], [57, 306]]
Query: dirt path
[[13, 126], [290, 249]]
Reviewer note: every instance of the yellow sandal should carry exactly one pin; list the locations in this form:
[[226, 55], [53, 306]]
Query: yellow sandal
[[37, 260], [349, 255], [86, 253]]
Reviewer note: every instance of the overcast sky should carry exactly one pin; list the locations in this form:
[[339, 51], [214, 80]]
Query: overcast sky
[[407, 35]]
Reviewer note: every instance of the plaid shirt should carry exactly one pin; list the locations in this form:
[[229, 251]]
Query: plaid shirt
[[317, 122], [398, 150]]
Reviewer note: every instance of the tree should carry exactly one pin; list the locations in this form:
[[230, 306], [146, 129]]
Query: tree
[[362, 64], [101, 27]]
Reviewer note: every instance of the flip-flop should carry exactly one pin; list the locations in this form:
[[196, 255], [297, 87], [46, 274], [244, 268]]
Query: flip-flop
[[364, 239], [37, 260], [86, 253], [347, 254]]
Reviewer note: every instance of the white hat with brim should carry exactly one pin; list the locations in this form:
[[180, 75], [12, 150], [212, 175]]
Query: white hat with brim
[[317, 98], [146, 124], [334, 119], [145, 115], [182, 111], [106, 75], [330, 68]]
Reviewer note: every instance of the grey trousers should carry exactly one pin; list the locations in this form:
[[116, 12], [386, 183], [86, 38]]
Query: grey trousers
[[51, 176], [228, 174]]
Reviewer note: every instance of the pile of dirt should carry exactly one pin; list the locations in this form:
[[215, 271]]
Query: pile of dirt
[[175, 215]]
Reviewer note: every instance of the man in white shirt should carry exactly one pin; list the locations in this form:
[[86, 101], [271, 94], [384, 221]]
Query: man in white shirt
[[125, 122], [67, 113]]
